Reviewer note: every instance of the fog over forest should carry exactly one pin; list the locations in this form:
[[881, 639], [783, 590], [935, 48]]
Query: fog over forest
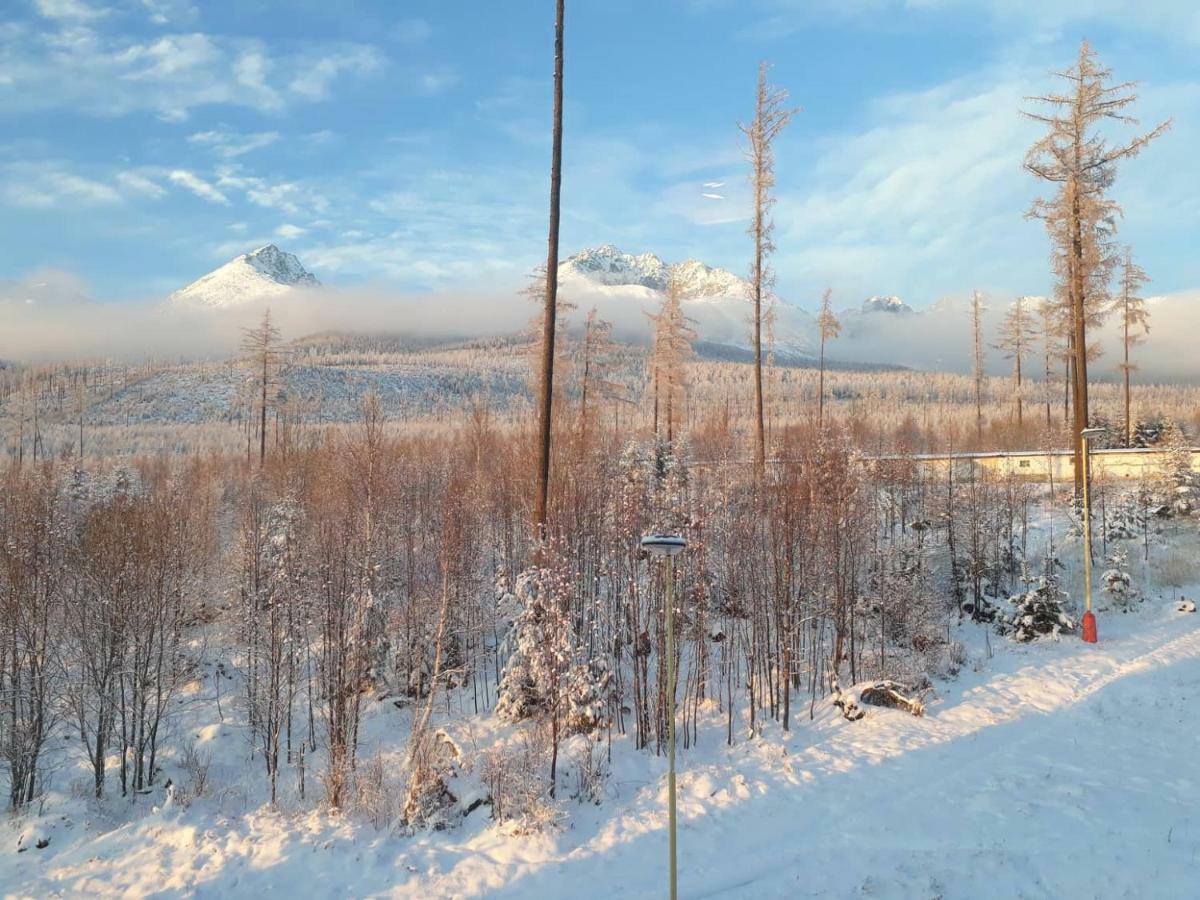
[[50, 318]]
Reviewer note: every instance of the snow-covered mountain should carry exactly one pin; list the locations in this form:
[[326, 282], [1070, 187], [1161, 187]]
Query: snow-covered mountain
[[265, 272], [624, 285], [606, 265], [886, 304]]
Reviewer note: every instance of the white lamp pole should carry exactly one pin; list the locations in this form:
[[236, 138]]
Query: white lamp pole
[[1089, 618], [669, 546]]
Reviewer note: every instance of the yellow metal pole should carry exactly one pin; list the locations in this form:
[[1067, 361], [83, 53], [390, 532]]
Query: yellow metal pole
[[1087, 527], [1089, 619], [671, 717]]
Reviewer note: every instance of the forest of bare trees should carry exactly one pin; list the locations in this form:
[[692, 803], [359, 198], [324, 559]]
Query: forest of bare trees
[[486, 556]]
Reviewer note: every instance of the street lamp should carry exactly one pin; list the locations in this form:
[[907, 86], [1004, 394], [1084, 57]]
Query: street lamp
[[1089, 618], [669, 546]]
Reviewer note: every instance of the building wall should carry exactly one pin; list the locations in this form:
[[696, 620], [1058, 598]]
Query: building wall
[[1117, 465]]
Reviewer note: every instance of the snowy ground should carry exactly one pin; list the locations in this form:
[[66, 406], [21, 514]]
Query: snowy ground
[[1056, 769], [1059, 770]]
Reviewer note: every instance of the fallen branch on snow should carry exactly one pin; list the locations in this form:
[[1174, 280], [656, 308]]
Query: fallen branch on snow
[[893, 695]]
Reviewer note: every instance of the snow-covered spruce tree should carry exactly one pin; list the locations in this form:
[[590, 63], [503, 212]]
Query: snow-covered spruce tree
[[1126, 518], [545, 676], [1179, 486], [1117, 582], [1038, 612], [534, 682]]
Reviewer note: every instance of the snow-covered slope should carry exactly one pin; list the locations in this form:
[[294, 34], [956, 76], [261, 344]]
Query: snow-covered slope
[[265, 272], [606, 265], [1057, 769], [716, 300]]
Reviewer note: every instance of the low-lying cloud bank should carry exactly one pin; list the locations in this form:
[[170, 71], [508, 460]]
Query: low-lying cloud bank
[[48, 316], [940, 339]]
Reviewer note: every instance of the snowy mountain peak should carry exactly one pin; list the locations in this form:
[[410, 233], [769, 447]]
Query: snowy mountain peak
[[700, 280], [888, 304], [265, 272], [606, 265]]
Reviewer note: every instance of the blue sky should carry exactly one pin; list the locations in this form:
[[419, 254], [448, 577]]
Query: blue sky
[[406, 144]]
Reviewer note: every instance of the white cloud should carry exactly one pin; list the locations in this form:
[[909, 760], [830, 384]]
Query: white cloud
[[287, 231], [1033, 19], [48, 185], [437, 81], [313, 81], [290, 198], [170, 12], [70, 10], [197, 186], [140, 184], [230, 144], [78, 67], [250, 71]]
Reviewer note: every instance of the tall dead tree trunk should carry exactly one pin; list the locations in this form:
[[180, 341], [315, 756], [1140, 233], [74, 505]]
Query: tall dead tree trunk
[[977, 359], [770, 117], [1080, 218], [546, 387]]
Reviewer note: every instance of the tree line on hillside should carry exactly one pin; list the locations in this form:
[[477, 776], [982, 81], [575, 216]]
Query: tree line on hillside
[[379, 566]]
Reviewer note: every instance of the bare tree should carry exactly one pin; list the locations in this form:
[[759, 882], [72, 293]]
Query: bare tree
[[31, 598], [261, 346], [673, 336], [1016, 333], [1135, 325], [1080, 218], [770, 116], [595, 351], [829, 328], [546, 388], [1050, 330], [977, 358]]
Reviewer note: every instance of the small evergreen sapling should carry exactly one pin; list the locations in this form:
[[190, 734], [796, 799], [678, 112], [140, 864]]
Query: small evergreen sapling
[[1038, 612], [1118, 584]]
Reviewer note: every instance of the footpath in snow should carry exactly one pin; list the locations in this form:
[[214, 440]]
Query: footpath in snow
[[1057, 770]]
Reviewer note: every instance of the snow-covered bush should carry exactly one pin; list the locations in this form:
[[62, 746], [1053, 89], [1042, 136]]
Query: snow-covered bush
[[588, 697], [1176, 567], [195, 764], [587, 760], [946, 660], [376, 794], [430, 801], [514, 775], [1127, 517], [1038, 612]]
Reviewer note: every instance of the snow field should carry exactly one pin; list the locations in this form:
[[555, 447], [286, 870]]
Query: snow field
[[1055, 770]]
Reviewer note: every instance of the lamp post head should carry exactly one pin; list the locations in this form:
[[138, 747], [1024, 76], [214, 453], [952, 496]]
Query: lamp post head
[[657, 544], [1093, 432]]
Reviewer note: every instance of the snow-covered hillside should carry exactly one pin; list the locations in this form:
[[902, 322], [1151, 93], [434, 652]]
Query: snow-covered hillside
[[265, 272], [1033, 777], [1054, 769]]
